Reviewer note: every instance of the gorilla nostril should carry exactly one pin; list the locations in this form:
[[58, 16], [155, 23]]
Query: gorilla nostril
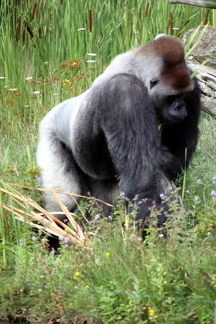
[[178, 107]]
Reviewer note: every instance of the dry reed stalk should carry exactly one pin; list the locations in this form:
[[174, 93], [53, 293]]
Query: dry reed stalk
[[45, 221]]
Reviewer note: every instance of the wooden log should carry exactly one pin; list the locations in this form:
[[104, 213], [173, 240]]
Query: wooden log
[[199, 3], [207, 81], [203, 62]]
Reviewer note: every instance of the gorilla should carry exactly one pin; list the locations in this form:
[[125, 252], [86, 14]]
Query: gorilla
[[133, 131]]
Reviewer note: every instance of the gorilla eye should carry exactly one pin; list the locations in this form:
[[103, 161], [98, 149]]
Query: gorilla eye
[[153, 83]]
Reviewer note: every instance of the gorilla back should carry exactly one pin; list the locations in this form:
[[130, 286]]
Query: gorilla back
[[107, 139]]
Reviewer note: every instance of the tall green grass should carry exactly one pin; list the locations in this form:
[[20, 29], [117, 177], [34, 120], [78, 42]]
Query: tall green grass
[[52, 32], [34, 40]]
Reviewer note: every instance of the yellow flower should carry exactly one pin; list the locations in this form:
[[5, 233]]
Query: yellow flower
[[107, 254], [77, 273], [151, 311], [67, 82], [87, 286]]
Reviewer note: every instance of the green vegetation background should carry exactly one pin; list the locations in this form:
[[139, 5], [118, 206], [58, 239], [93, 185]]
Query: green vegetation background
[[51, 51]]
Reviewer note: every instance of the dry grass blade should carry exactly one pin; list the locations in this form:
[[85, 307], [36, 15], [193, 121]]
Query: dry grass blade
[[24, 207], [72, 195], [25, 217], [69, 216]]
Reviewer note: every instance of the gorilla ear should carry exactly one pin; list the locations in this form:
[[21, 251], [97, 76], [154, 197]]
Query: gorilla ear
[[153, 83]]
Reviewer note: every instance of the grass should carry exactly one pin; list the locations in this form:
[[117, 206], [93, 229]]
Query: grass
[[111, 276]]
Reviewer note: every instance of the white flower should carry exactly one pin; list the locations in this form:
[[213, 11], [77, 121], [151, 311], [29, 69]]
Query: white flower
[[213, 193], [13, 89], [91, 54], [90, 61], [2, 78], [36, 92], [162, 196], [196, 199], [28, 78]]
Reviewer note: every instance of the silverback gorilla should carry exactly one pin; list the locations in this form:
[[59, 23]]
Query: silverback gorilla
[[107, 139]]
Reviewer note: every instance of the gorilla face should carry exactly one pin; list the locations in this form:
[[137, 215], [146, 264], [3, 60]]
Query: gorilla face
[[172, 110]]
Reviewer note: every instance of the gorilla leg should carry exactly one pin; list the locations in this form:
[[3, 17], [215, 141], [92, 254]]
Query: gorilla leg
[[105, 191], [59, 171]]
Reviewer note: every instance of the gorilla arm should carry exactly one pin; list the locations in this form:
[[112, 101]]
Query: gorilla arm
[[126, 117], [181, 138]]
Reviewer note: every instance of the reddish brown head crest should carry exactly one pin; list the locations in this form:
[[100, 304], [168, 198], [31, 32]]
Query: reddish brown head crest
[[177, 76], [170, 49], [174, 72]]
